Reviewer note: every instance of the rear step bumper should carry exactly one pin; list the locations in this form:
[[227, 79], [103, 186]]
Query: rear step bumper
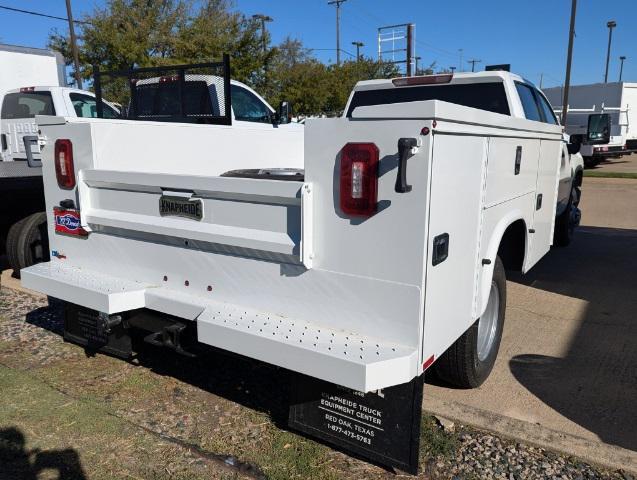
[[346, 358]]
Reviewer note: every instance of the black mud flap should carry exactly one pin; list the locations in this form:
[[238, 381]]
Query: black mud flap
[[97, 331], [381, 426]]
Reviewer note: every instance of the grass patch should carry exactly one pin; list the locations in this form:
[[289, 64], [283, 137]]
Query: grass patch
[[605, 174], [434, 441]]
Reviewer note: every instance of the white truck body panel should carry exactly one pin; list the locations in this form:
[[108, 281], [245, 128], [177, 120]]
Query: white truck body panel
[[275, 270]]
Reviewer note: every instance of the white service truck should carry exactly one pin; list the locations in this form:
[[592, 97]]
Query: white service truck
[[23, 231], [21, 192], [385, 258], [615, 102]]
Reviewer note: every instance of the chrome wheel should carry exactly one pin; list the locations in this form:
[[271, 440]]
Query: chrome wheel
[[488, 324]]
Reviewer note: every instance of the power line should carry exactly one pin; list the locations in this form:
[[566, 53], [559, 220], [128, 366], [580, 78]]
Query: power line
[[38, 14]]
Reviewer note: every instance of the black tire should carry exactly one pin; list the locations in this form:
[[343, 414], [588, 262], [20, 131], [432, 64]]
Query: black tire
[[33, 242], [565, 224], [460, 364], [13, 237]]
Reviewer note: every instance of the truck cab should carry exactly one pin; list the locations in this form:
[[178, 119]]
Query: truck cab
[[493, 91], [21, 105]]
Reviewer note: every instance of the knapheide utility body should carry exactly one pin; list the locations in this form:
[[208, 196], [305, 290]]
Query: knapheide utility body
[[363, 272]]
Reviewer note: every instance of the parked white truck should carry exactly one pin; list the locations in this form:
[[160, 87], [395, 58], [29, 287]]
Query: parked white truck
[[21, 192], [387, 257], [22, 210], [615, 100]]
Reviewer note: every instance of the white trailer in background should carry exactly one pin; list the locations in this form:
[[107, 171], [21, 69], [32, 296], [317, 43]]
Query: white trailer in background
[[21, 66], [618, 99]]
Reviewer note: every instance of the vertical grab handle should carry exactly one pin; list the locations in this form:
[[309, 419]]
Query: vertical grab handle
[[404, 148], [518, 159]]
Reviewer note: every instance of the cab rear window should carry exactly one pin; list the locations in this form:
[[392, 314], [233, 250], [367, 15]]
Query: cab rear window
[[488, 96], [27, 105]]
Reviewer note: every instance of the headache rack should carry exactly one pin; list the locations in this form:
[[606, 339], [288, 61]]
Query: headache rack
[[122, 88]]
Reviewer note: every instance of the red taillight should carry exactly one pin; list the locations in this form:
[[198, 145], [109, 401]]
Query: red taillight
[[423, 80], [359, 179], [64, 169]]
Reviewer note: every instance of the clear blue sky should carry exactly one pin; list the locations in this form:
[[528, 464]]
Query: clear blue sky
[[531, 35]]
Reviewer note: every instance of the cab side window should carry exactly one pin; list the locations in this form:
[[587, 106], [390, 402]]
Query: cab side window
[[247, 106], [547, 110], [529, 103], [86, 106]]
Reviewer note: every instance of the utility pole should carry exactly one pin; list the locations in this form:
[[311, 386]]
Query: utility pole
[[569, 59], [358, 46], [612, 24], [473, 64], [460, 66], [76, 55], [541, 80], [621, 67], [263, 18], [410, 43], [338, 28], [416, 59]]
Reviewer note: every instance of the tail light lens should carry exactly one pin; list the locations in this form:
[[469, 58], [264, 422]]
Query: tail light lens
[[359, 179], [64, 169]]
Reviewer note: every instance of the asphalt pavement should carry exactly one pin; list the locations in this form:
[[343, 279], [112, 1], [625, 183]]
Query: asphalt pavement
[[566, 374]]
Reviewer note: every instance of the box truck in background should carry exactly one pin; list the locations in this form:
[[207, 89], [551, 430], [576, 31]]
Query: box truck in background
[[617, 99]]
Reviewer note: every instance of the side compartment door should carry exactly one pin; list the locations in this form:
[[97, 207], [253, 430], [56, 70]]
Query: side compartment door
[[545, 201], [453, 244]]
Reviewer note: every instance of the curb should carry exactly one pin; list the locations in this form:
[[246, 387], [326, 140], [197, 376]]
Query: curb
[[596, 453]]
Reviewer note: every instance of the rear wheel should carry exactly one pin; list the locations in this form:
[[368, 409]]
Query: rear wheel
[[13, 237], [33, 242], [469, 361], [567, 221]]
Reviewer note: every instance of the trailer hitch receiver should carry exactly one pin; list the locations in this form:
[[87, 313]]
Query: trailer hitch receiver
[[169, 337]]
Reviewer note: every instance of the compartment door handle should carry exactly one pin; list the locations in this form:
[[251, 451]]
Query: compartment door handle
[[440, 251], [404, 149]]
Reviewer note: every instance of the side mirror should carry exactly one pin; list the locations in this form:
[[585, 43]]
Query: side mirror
[[573, 148], [285, 112], [598, 131]]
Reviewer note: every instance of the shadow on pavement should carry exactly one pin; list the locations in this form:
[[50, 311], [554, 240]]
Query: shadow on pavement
[[18, 463], [595, 384]]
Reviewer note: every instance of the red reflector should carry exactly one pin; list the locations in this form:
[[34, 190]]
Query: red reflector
[[359, 179], [64, 169], [427, 363], [68, 222], [424, 80]]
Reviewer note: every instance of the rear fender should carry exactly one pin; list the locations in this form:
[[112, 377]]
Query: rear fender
[[493, 246]]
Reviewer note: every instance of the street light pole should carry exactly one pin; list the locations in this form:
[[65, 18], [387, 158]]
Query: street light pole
[[460, 66], [621, 67], [76, 55], [569, 59], [263, 18], [612, 24], [358, 46]]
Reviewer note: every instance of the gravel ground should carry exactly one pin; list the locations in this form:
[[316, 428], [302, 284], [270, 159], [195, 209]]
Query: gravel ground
[[239, 416]]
